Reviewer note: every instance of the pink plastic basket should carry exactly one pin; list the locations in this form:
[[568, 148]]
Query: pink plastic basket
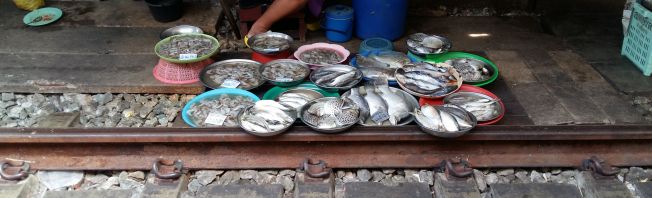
[[175, 73]]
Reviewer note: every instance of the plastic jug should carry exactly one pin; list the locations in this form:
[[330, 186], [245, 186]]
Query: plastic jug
[[338, 23]]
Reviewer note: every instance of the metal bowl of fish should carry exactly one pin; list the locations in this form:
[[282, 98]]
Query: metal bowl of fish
[[321, 54], [336, 77], [266, 118], [483, 107], [330, 114], [285, 72], [297, 98], [424, 44], [233, 73], [447, 121], [471, 70], [428, 80], [382, 105], [270, 42], [380, 64], [186, 48], [180, 29]]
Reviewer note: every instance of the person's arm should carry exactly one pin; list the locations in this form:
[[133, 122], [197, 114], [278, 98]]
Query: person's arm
[[275, 12]]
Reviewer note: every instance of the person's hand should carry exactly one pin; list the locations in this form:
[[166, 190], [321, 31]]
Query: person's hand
[[257, 28]]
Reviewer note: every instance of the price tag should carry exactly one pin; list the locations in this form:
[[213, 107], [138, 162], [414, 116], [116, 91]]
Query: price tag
[[283, 79], [187, 56], [215, 118], [230, 83]]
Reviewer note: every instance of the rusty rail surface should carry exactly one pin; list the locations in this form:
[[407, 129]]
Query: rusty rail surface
[[370, 147]]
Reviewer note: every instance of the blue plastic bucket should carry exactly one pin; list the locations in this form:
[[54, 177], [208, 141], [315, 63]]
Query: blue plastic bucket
[[380, 18], [338, 23], [375, 44]]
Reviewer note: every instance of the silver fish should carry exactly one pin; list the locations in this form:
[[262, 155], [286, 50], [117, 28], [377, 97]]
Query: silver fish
[[443, 118], [391, 58], [266, 116], [358, 100], [363, 61], [483, 108], [343, 79], [331, 113], [471, 70], [448, 121], [377, 72], [427, 79], [336, 76], [377, 106], [397, 108], [298, 97]]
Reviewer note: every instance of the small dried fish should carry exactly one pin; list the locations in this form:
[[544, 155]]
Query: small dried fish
[[471, 70], [270, 44], [331, 113], [285, 71], [223, 105], [244, 75], [187, 44], [321, 56]]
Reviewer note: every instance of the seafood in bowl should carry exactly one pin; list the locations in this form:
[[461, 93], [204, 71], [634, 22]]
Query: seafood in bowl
[[330, 114], [444, 121], [219, 111], [428, 80], [266, 118], [233, 73]]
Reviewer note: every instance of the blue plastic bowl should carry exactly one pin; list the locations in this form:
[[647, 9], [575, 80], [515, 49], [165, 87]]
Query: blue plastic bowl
[[213, 94], [375, 44]]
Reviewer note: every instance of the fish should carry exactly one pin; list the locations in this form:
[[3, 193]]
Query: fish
[[363, 61], [331, 113], [357, 99], [336, 76], [266, 116], [397, 108], [483, 109], [443, 118], [343, 79], [393, 59], [427, 79], [254, 123], [377, 72], [471, 70], [377, 106], [297, 98]]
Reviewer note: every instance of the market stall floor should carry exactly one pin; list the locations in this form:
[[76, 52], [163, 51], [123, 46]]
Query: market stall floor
[[97, 48]]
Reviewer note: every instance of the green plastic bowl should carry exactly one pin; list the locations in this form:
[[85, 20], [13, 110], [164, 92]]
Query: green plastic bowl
[[453, 55], [216, 46], [275, 91]]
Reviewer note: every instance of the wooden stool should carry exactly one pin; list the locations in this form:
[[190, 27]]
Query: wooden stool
[[249, 15]]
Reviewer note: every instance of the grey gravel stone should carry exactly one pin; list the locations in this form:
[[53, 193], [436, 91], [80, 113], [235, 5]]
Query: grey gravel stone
[[636, 174], [427, 177], [102, 99], [128, 183], [522, 176], [248, 174], [95, 178], [411, 175], [399, 179], [8, 96], [350, 177], [555, 171], [60, 179], [505, 172], [194, 186], [110, 182], [389, 171], [377, 176], [389, 181], [537, 177], [340, 174], [287, 173], [140, 175], [491, 178], [286, 182], [364, 175], [265, 177], [480, 180], [229, 177], [205, 177]]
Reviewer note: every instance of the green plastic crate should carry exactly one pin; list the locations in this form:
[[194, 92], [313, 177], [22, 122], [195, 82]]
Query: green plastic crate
[[637, 45]]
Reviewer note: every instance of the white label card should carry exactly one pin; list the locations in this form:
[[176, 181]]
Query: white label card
[[187, 56], [230, 83], [215, 118]]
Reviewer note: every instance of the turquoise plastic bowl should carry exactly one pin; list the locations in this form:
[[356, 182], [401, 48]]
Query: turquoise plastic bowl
[[213, 94]]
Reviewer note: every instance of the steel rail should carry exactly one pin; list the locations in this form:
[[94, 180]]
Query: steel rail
[[369, 147]]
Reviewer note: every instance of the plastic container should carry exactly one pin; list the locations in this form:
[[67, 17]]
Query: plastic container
[[174, 73], [343, 52], [165, 10], [375, 44], [637, 45], [265, 58], [338, 23], [213, 94], [380, 18]]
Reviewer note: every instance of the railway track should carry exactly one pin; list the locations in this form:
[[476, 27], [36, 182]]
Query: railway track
[[361, 147]]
